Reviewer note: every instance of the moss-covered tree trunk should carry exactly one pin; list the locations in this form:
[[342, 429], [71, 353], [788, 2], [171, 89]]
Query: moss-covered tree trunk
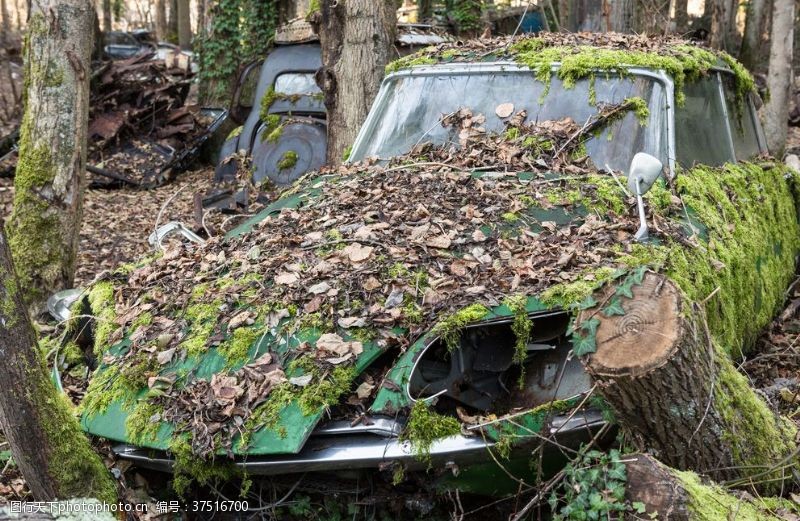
[[48, 446], [667, 382], [683, 496], [44, 227], [357, 40]]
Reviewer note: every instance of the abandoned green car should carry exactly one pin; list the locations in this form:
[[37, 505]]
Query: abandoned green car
[[412, 310]]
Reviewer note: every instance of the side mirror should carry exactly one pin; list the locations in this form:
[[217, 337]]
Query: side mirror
[[644, 171]]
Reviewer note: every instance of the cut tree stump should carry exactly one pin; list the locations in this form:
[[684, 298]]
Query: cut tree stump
[[668, 382], [684, 496]]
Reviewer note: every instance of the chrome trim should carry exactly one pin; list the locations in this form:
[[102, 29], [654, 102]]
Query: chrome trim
[[171, 228], [367, 451], [727, 118], [380, 426]]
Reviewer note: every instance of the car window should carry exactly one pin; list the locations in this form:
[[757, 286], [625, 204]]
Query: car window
[[743, 129], [701, 134], [296, 83], [247, 94]]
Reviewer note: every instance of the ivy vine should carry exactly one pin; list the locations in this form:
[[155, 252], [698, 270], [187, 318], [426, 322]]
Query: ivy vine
[[240, 31]]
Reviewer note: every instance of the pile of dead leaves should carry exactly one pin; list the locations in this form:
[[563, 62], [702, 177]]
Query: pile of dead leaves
[[374, 249]]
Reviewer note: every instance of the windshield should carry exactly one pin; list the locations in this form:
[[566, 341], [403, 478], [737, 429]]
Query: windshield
[[411, 109]]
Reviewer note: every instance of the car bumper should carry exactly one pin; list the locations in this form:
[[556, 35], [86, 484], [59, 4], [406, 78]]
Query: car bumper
[[341, 447]]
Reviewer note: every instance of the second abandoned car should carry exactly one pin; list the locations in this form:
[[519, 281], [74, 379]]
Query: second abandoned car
[[412, 310]]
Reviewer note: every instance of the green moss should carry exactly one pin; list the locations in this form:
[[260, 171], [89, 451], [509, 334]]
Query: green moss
[[143, 423], [145, 319], [746, 248], [235, 349], [411, 60], [266, 103], [708, 501], [761, 439], [426, 426], [568, 295], [288, 160], [449, 328], [521, 327], [102, 305], [324, 390], [8, 306], [683, 62], [640, 109], [202, 320], [190, 468], [77, 469], [235, 132]]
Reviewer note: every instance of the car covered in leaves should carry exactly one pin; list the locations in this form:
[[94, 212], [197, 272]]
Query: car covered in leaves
[[411, 313]]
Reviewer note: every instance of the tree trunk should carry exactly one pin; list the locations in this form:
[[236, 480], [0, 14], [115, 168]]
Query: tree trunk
[[681, 16], [48, 187], [657, 367], [200, 28], [723, 18], [172, 22], [750, 52], [684, 496], [106, 15], [184, 25], [48, 446], [161, 19], [424, 10], [357, 38], [780, 77]]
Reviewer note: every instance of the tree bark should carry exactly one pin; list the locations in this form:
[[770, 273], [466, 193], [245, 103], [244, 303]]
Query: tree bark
[[677, 496], [424, 10], [723, 19], [48, 446], [184, 25], [681, 16], [172, 22], [161, 19], [106, 15], [658, 368], [750, 52], [780, 77], [48, 187], [357, 39]]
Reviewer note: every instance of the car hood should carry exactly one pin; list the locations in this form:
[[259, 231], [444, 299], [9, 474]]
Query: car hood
[[363, 266]]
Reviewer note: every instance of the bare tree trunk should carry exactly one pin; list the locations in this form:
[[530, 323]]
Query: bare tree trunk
[[106, 15], [184, 25], [48, 187], [681, 16], [172, 22], [723, 17], [48, 446], [657, 366], [750, 52], [781, 75], [356, 38], [161, 19], [424, 10]]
